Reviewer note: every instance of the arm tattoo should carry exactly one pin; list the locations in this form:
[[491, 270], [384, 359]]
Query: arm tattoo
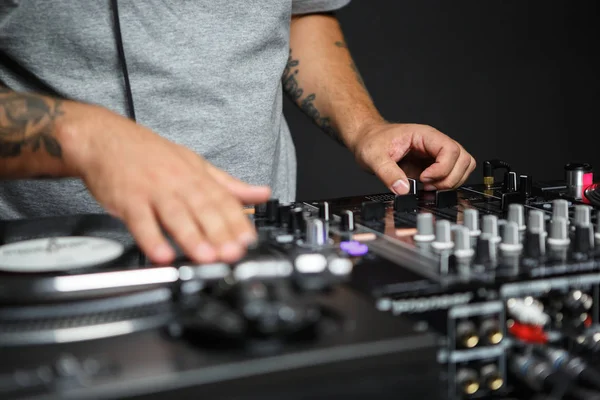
[[295, 92], [341, 44], [27, 121]]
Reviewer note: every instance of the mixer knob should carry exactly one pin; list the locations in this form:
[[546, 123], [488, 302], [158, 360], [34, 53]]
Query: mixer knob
[[424, 228], [471, 221], [405, 203], [446, 198], [260, 210], [443, 235], [560, 209], [525, 186], [316, 234], [490, 228], [598, 226], [584, 232], [510, 182], [559, 232], [462, 242], [516, 214], [324, 211], [296, 221], [347, 221], [272, 210], [511, 238], [536, 234], [485, 251]]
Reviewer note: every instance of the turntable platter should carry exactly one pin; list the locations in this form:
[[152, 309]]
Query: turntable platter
[[58, 254]]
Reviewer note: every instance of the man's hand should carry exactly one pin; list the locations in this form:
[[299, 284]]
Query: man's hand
[[149, 182], [394, 152]]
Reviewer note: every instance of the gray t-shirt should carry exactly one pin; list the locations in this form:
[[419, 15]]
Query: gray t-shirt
[[204, 73]]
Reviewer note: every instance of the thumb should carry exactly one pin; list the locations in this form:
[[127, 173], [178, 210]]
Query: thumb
[[247, 194], [392, 176]]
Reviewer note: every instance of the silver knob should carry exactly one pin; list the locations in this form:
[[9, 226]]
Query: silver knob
[[516, 214], [443, 235], [560, 209], [511, 240], [582, 215], [490, 228], [462, 242], [424, 228], [471, 221], [316, 234], [536, 221], [559, 232]]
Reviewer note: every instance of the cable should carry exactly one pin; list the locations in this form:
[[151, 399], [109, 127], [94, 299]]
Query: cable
[[489, 166], [122, 59]]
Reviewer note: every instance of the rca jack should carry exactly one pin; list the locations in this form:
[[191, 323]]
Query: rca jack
[[467, 381], [491, 331], [491, 378], [466, 334]]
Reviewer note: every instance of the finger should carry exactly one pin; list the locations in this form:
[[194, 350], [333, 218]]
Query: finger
[[446, 152], [210, 208], [180, 223], [459, 170], [392, 176], [470, 169], [247, 194], [142, 224]]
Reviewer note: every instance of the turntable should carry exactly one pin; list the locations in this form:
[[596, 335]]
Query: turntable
[[84, 315]]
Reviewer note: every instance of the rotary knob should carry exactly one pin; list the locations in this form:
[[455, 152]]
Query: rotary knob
[[324, 211], [425, 232], [536, 234], [462, 242], [516, 214], [584, 232], [443, 235], [511, 238], [296, 221], [559, 232], [560, 209], [272, 211], [490, 228], [471, 221], [578, 176], [347, 221], [510, 182], [316, 232]]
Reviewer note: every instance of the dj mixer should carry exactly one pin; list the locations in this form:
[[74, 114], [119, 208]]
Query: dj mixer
[[488, 291]]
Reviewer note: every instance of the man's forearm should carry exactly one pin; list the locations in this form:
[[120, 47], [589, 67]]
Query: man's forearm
[[323, 80], [32, 139]]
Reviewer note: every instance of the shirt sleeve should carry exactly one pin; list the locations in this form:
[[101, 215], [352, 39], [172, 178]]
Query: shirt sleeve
[[314, 6]]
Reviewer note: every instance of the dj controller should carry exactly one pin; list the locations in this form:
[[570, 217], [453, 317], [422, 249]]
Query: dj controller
[[488, 291]]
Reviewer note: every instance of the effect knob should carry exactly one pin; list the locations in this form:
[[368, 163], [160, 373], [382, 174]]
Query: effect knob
[[347, 221], [424, 228], [560, 209], [443, 235], [490, 228], [525, 186], [324, 211], [510, 182], [516, 214], [405, 203], [471, 221], [283, 216], [511, 238], [316, 234], [559, 232]]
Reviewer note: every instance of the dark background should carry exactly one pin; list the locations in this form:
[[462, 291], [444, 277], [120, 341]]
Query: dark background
[[515, 80]]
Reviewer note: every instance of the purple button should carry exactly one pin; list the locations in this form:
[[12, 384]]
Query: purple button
[[354, 248]]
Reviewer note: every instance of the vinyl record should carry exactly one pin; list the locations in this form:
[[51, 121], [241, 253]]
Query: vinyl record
[[58, 254]]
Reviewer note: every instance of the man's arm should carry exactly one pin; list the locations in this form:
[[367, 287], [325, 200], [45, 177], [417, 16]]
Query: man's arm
[[322, 79], [30, 142]]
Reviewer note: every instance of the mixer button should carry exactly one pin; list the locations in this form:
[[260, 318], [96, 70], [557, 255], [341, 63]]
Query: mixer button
[[405, 203], [296, 222], [372, 211], [462, 242], [446, 198], [525, 186], [324, 211], [510, 182], [310, 263], [316, 233], [340, 266], [272, 210], [511, 238]]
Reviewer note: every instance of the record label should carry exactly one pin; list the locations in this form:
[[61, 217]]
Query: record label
[[58, 254]]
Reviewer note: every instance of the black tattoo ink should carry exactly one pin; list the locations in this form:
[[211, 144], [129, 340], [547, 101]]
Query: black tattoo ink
[[295, 92], [27, 120], [341, 44]]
